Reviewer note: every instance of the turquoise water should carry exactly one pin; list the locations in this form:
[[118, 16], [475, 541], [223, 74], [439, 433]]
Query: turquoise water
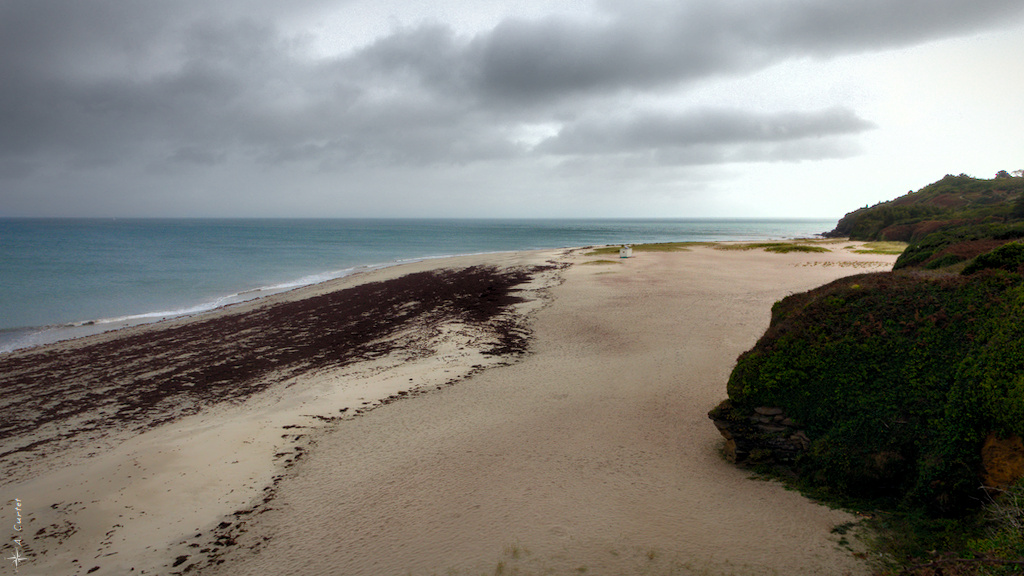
[[57, 273]]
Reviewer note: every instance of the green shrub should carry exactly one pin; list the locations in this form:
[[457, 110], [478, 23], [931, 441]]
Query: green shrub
[[897, 380], [1007, 257], [966, 239], [943, 261]]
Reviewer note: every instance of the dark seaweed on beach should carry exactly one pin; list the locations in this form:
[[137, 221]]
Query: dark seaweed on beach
[[153, 376]]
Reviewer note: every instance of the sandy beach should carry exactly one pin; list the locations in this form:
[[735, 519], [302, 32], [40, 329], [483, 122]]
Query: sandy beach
[[524, 413]]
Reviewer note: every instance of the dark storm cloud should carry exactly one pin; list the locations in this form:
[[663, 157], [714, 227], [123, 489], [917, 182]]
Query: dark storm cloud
[[87, 77], [653, 44], [194, 83]]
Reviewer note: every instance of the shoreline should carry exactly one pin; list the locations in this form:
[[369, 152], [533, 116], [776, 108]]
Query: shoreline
[[361, 254], [162, 482], [35, 336], [95, 495]]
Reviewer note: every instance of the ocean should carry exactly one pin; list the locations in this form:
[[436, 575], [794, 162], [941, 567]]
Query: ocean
[[62, 278]]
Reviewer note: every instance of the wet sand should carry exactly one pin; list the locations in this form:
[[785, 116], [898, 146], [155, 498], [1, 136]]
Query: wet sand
[[540, 416]]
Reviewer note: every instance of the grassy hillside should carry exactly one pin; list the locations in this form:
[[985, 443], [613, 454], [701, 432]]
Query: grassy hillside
[[947, 223], [953, 200], [887, 391]]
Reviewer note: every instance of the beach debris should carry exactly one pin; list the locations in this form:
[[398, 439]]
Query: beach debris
[[83, 391]]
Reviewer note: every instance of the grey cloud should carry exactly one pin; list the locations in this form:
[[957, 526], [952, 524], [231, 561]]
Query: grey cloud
[[194, 83], [221, 87], [11, 168], [826, 148], [431, 55], [637, 163], [197, 155], [699, 128], [797, 150], [653, 44]]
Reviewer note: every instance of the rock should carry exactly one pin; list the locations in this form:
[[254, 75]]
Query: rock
[[759, 437], [1002, 461], [721, 424], [730, 451]]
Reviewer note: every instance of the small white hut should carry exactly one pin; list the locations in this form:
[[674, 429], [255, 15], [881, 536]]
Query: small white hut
[[625, 252]]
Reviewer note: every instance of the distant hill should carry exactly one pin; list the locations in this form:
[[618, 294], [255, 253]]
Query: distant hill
[[947, 222], [952, 200]]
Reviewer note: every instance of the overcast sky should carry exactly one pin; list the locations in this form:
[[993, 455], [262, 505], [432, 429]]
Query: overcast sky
[[486, 108]]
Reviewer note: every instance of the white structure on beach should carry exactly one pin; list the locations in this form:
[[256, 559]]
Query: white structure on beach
[[625, 252]]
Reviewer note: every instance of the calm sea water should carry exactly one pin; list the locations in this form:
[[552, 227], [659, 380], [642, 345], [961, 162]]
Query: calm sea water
[[66, 277]]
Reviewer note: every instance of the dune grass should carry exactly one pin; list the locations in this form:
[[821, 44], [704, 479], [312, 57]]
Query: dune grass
[[777, 247], [891, 248], [655, 247]]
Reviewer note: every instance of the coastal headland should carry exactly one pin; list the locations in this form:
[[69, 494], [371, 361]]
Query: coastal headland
[[533, 413]]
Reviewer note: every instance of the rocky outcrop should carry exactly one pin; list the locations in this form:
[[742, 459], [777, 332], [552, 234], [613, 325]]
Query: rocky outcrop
[[765, 436], [1002, 461]]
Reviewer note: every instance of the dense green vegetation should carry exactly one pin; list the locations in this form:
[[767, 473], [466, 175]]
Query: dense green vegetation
[[953, 200], [1009, 257], [958, 243], [898, 378], [947, 223]]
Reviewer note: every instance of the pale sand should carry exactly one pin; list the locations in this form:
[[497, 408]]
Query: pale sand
[[593, 454]]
